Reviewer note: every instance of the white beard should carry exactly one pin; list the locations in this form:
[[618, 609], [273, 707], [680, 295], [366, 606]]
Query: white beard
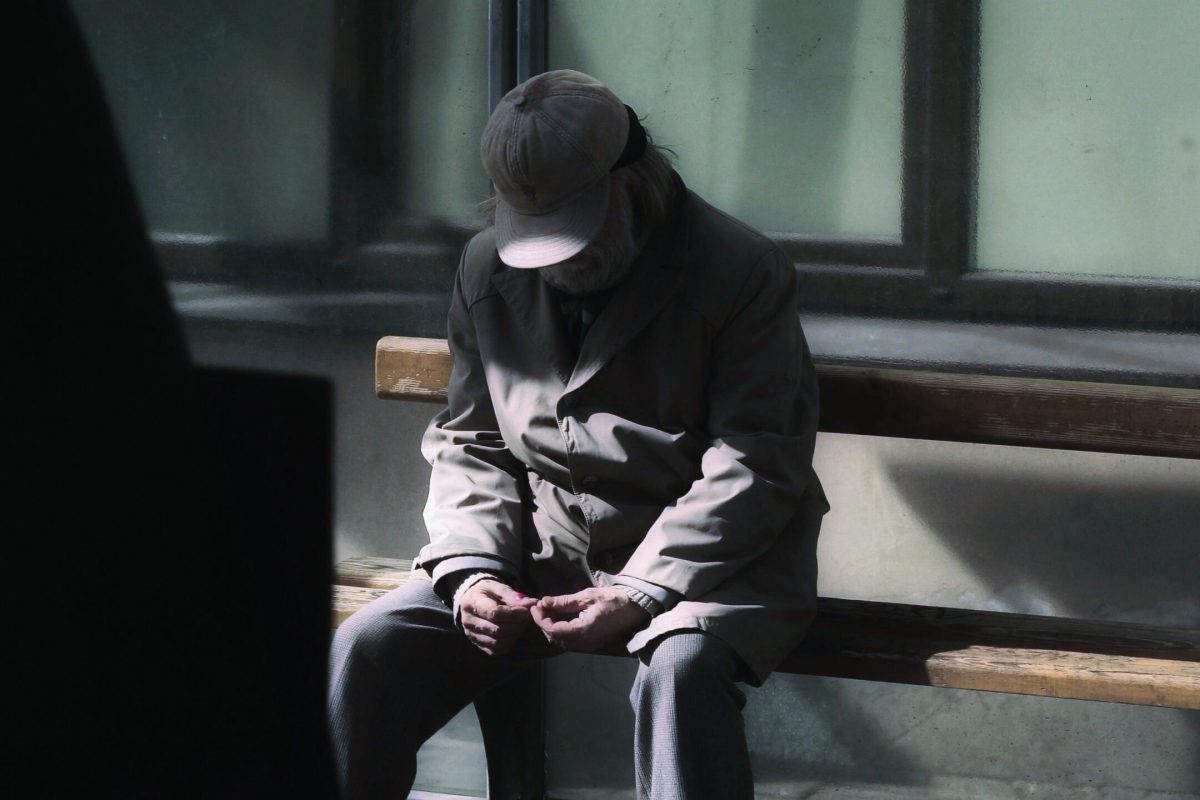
[[607, 258]]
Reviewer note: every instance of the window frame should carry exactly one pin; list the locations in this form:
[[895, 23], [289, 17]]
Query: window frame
[[929, 272], [926, 274], [941, 113]]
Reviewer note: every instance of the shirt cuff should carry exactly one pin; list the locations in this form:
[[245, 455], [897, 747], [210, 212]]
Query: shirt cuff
[[643, 600], [666, 598], [460, 563]]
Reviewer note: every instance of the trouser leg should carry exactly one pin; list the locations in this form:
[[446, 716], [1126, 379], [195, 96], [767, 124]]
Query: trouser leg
[[399, 671], [689, 738]]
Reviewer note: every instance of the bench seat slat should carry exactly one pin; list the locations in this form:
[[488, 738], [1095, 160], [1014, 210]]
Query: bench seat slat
[[911, 404], [374, 573], [348, 599], [953, 648], [411, 368], [1044, 673]]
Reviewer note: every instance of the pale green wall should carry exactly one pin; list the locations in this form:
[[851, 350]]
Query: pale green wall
[[1089, 144], [785, 114]]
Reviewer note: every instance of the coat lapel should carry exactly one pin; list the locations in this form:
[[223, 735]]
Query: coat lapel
[[653, 280], [533, 303]]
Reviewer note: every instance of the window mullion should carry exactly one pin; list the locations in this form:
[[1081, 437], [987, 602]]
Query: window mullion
[[532, 46], [502, 49], [939, 102]]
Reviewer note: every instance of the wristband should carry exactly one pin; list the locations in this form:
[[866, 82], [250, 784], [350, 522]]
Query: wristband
[[647, 603]]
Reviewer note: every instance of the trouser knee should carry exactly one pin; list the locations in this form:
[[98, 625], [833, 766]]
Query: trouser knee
[[380, 637], [405, 637], [687, 665]]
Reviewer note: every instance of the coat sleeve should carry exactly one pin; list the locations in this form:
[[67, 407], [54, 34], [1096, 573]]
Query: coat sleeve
[[474, 511], [762, 423]]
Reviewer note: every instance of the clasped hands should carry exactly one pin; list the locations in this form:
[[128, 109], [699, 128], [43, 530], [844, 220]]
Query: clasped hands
[[495, 616]]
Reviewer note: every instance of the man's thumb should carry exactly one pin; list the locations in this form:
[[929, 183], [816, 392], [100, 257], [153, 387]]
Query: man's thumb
[[563, 602]]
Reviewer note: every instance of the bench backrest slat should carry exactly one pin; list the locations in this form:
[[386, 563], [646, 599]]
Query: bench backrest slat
[[911, 404]]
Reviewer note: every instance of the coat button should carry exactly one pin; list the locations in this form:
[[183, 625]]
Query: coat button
[[569, 402], [589, 482]]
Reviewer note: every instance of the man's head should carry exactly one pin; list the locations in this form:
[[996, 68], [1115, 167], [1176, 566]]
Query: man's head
[[578, 182], [605, 260]]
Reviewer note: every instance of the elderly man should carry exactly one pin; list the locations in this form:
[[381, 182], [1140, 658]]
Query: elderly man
[[626, 459]]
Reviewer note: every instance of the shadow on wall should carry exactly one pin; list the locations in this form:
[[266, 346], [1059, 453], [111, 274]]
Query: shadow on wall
[[1083, 546], [1087, 546], [799, 729], [817, 730]]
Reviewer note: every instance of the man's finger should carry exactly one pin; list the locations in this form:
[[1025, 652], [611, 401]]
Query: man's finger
[[506, 594], [476, 624], [564, 604], [572, 635], [485, 607], [566, 628], [502, 631], [543, 622], [509, 615], [545, 619], [508, 634], [494, 640], [481, 641], [504, 646], [566, 633]]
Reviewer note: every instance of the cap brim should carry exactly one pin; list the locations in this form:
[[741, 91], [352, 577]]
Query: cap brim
[[527, 240]]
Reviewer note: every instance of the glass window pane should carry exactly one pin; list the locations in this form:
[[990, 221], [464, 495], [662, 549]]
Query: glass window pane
[[785, 114], [442, 74], [222, 111], [1089, 137]]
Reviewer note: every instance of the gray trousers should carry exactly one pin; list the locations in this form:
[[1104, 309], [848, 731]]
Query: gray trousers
[[400, 670]]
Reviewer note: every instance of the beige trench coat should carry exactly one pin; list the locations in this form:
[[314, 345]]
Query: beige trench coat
[[676, 453]]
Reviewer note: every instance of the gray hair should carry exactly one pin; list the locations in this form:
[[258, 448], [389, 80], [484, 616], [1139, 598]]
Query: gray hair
[[654, 186]]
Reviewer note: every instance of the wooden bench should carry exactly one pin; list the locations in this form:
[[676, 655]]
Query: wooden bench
[[922, 645]]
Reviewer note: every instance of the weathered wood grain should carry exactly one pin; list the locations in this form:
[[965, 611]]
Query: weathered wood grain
[[1046, 673], [348, 599], [910, 404], [1032, 412], [947, 647], [409, 368], [358, 581], [374, 573]]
